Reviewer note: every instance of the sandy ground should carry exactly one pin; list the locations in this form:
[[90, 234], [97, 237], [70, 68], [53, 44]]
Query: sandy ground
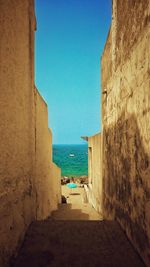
[[77, 207]]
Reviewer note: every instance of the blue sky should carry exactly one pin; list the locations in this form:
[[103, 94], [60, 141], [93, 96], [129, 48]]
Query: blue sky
[[69, 42]]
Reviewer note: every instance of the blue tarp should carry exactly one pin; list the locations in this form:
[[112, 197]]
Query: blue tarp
[[72, 185]]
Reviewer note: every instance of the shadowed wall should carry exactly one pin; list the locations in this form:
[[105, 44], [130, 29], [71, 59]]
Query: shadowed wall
[[126, 127]]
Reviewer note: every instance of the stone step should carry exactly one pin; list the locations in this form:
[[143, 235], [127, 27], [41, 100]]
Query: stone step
[[76, 244], [76, 212]]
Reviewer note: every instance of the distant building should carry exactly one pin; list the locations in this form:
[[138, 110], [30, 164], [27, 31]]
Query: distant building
[[94, 187]]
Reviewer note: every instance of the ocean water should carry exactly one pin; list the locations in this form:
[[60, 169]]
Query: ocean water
[[72, 159]]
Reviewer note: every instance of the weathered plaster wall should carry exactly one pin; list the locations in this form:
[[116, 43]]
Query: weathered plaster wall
[[126, 127], [48, 176], [17, 206], [107, 60], [94, 189], [43, 152], [55, 186], [25, 138]]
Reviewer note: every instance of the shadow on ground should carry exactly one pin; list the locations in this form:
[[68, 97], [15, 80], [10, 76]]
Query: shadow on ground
[[74, 194], [76, 243]]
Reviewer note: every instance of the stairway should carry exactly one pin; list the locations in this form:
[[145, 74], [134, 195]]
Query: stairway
[[76, 236], [72, 243]]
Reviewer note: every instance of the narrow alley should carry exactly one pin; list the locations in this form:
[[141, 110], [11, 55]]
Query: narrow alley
[[106, 222]]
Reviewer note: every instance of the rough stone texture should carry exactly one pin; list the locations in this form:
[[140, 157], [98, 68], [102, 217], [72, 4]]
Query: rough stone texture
[[132, 19], [126, 127], [18, 174], [94, 188]]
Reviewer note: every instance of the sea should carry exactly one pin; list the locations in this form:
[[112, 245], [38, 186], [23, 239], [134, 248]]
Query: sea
[[72, 159]]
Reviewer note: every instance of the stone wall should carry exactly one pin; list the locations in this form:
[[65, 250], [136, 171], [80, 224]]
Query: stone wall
[[55, 186], [17, 135], [48, 176], [107, 60], [125, 118], [21, 130], [94, 189]]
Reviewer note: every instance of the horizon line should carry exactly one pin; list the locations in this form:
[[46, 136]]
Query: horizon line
[[70, 144]]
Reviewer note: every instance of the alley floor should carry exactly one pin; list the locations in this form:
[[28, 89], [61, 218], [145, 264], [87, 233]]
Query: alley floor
[[76, 236], [77, 207]]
